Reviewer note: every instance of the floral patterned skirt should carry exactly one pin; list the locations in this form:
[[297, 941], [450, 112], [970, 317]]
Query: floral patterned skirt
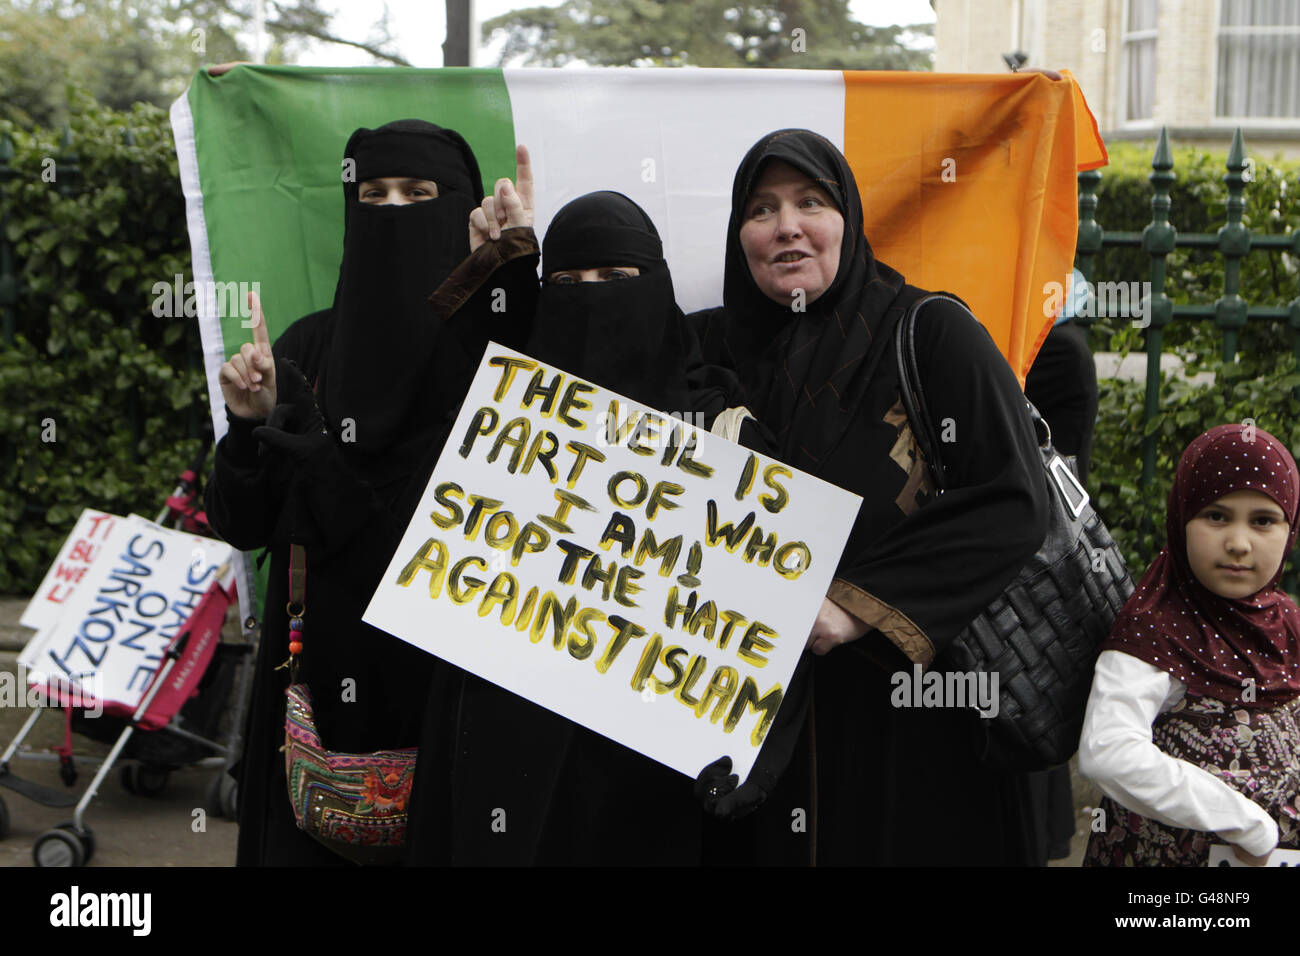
[[1254, 751]]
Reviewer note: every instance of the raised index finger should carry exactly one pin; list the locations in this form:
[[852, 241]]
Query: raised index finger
[[524, 176], [261, 335]]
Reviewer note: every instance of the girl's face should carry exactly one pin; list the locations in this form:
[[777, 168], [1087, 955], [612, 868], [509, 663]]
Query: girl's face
[[1236, 544]]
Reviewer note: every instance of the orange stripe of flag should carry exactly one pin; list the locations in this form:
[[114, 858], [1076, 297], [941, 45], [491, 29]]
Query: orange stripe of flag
[[968, 186]]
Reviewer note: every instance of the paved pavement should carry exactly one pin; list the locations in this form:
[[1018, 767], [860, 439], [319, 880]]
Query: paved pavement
[[174, 828], [12, 635]]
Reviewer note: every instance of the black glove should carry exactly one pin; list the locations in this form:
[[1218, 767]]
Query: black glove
[[296, 425], [325, 503], [716, 789]]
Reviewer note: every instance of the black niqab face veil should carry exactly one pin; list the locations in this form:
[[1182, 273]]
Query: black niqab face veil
[[380, 387], [624, 334], [807, 371]]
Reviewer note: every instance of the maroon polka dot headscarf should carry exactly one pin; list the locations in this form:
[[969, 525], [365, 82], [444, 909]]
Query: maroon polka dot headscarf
[[1211, 643]]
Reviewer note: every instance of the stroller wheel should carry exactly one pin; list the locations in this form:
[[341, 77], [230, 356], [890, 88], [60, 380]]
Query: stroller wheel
[[212, 803], [58, 848], [4, 819], [85, 835], [229, 797], [151, 781], [221, 796], [142, 780]]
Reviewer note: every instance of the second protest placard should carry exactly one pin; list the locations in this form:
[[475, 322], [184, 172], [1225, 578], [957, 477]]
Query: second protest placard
[[614, 564]]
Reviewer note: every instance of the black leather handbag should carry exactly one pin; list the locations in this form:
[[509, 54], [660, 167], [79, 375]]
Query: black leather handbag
[[1042, 635]]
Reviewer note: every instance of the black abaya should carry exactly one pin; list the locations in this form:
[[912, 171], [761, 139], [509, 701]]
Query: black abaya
[[502, 780], [873, 783], [388, 374], [250, 505]]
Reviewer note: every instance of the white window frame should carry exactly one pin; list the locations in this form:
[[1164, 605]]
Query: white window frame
[[1245, 122], [1127, 36]]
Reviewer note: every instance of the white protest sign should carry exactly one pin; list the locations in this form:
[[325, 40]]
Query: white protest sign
[[1221, 855], [652, 582], [114, 629], [81, 549]]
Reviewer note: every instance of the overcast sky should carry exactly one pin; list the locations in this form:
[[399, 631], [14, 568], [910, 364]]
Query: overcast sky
[[420, 26]]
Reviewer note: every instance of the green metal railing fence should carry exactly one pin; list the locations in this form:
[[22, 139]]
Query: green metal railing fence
[[1234, 241]]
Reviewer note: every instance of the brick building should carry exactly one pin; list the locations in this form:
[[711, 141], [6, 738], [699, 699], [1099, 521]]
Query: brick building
[[1200, 67]]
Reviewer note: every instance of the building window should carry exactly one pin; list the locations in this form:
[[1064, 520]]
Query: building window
[[1140, 59], [1259, 59]]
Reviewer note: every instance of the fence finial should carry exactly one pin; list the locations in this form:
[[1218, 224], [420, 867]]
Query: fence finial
[[1088, 243], [1234, 243], [1158, 240]]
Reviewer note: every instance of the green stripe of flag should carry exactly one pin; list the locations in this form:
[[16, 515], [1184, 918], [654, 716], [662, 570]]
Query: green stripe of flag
[[269, 142]]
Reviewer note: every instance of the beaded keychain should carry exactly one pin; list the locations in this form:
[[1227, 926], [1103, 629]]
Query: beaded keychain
[[296, 607]]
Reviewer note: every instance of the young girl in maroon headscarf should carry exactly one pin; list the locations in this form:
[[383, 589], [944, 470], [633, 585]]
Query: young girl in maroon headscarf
[[1193, 725]]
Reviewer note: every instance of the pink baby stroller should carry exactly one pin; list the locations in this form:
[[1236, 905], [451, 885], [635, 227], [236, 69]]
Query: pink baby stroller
[[198, 688]]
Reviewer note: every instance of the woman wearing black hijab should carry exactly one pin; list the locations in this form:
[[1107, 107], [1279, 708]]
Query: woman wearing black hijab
[[342, 477], [807, 323], [502, 780]]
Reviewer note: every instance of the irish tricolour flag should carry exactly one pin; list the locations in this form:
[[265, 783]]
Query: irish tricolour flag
[[968, 181]]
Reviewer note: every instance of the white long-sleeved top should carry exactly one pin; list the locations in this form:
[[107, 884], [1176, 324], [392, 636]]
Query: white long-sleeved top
[[1117, 753]]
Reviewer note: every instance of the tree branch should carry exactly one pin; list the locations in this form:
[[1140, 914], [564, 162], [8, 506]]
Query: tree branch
[[300, 29]]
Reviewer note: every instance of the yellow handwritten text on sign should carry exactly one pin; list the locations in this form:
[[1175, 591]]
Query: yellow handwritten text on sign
[[596, 557]]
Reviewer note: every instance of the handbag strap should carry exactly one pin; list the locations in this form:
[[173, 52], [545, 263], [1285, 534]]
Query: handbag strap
[[909, 385], [297, 580], [296, 606], [1073, 495]]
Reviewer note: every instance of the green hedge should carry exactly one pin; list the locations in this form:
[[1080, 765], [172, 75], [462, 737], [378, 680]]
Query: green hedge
[[1259, 385], [123, 389], [1199, 204]]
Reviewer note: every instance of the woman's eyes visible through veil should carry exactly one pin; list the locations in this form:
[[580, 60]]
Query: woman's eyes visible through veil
[[396, 190], [602, 274]]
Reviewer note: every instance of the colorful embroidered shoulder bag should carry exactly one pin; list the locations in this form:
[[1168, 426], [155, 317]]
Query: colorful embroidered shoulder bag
[[355, 804]]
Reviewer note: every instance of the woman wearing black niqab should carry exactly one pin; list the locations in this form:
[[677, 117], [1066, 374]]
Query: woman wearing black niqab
[[364, 393], [568, 794], [881, 784], [626, 333]]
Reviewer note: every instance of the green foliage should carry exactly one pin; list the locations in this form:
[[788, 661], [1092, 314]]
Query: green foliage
[[122, 55], [142, 51], [715, 33], [1199, 205], [1257, 388], [1260, 385], [122, 389]]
